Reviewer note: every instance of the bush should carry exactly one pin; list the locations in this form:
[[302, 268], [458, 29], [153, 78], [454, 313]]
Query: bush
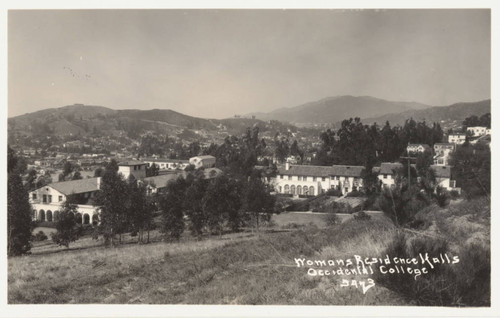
[[442, 197], [331, 219], [353, 194], [334, 193], [361, 216], [40, 236], [454, 194], [466, 283]]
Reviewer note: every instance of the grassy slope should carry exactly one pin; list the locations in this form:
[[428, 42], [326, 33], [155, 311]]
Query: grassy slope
[[238, 269]]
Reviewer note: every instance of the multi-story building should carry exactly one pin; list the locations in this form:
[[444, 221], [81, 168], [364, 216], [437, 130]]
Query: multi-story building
[[457, 138], [477, 131], [47, 200], [417, 148], [313, 180], [167, 164], [132, 167], [442, 153]]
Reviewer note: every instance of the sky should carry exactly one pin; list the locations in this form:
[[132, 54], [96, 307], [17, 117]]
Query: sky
[[218, 63]]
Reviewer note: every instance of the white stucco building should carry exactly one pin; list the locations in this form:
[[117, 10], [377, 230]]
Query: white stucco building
[[132, 167], [314, 180]]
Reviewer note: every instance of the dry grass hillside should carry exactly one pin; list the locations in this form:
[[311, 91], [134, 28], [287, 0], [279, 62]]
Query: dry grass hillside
[[247, 268]]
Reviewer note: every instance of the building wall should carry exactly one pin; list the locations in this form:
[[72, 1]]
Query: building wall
[[49, 192], [138, 171], [456, 139], [318, 184], [387, 179], [41, 212]]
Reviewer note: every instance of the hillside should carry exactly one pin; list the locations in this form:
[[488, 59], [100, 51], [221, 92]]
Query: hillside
[[335, 109], [456, 112]]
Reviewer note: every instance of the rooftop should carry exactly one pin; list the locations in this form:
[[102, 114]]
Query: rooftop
[[131, 163], [76, 186], [322, 171]]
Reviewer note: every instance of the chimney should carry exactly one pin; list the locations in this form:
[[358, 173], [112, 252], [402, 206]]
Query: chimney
[[287, 166], [99, 183]]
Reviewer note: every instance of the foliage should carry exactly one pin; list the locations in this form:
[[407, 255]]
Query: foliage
[[140, 214], [171, 205], [471, 168], [257, 200], [332, 218], [474, 121], [442, 197], [19, 225], [113, 202], [40, 236], [194, 207], [67, 228], [152, 171]]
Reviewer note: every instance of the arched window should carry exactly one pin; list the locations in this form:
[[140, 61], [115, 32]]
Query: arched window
[[306, 190], [311, 190], [41, 216], [86, 219], [49, 216], [299, 190], [287, 188], [292, 189]]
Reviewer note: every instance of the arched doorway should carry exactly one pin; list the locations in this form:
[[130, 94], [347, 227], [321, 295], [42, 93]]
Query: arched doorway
[[311, 190], [292, 189], [86, 219], [287, 188], [41, 216], [49, 216], [299, 190]]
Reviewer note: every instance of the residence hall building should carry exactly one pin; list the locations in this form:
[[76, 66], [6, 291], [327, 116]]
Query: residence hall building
[[458, 138], [47, 200], [314, 180], [167, 164], [442, 152]]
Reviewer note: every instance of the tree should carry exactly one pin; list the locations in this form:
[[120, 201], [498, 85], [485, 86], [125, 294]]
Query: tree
[[113, 201], [171, 204], [140, 210], [194, 207], [257, 200], [19, 225], [153, 170], [98, 172], [67, 229], [67, 169], [471, 168], [31, 180], [77, 176], [221, 204]]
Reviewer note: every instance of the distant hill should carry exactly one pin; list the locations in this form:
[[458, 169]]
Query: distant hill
[[86, 120], [445, 114], [335, 109]]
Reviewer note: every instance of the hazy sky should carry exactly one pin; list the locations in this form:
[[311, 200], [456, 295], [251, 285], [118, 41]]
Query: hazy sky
[[217, 63]]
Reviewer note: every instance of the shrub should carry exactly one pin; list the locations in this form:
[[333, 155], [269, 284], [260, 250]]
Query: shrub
[[354, 194], [466, 283], [40, 236], [334, 193], [442, 197], [361, 216], [331, 219], [454, 194]]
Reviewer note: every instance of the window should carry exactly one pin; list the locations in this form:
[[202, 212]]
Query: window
[[44, 198], [135, 168], [50, 198], [385, 176], [299, 178], [33, 196], [60, 198], [314, 178], [281, 176], [323, 179], [289, 178]]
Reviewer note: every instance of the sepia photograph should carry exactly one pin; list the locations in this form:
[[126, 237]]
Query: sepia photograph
[[249, 156]]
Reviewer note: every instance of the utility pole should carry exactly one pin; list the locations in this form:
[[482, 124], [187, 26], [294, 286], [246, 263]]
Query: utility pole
[[409, 166]]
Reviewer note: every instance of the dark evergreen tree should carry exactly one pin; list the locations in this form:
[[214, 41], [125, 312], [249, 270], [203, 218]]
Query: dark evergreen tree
[[171, 205], [67, 229]]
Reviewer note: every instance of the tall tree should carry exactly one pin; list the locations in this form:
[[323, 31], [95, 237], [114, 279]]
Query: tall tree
[[171, 205], [113, 201], [194, 207], [140, 209], [19, 224], [257, 200], [472, 169]]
